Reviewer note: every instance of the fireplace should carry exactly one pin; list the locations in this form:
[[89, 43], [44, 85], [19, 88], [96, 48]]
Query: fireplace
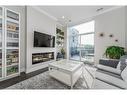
[[42, 57]]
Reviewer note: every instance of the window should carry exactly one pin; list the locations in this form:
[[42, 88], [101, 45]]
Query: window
[[82, 46], [85, 27]]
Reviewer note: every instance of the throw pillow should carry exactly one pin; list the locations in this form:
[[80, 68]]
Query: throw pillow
[[110, 63], [124, 74], [123, 62], [118, 66]]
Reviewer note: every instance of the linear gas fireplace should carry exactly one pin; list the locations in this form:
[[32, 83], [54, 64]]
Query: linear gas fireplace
[[42, 57]]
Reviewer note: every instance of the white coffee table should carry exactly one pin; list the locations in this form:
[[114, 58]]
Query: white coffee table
[[66, 71]]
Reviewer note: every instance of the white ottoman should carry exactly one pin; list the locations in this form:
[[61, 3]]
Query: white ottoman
[[66, 71]]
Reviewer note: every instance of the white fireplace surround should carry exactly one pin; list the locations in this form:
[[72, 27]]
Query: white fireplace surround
[[41, 23]]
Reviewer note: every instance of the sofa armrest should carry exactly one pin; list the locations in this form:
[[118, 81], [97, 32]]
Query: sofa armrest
[[111, 80]]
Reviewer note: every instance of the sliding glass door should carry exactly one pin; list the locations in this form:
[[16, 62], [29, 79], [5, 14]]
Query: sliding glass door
[[81, 42], [74, 47], [87, 47]]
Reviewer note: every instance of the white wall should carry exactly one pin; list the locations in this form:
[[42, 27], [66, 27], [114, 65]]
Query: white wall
[[21, 10], [39, 22], [112, 22]]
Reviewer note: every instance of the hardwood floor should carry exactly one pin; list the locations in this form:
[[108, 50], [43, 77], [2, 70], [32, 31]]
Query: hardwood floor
[[23, 76]]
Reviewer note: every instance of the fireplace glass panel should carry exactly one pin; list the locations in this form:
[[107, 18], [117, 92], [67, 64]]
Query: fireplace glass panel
[[42, 57]]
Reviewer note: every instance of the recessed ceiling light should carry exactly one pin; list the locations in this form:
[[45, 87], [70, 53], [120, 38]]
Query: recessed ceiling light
[[99, 9], [63, 17]]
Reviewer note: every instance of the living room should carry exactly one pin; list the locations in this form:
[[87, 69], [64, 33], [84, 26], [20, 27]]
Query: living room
[[37, 58]]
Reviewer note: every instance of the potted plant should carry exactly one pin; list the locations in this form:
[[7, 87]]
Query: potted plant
[[114, 52]]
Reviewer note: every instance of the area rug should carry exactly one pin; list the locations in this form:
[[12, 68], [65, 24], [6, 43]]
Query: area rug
[[44, 81]]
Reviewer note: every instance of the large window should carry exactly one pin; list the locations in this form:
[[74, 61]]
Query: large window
[[82, 42]]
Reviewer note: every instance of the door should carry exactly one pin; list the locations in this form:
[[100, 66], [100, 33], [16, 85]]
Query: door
[[87, 47], [1, 41], [12, 43], [75, 47], [82, 42]]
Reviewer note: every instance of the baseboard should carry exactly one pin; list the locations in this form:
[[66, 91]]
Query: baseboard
[[22, 70]]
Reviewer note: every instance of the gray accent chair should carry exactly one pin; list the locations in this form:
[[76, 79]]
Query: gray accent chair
[[114, 76]]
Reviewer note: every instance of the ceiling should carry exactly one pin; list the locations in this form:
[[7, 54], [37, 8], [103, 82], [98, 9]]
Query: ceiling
[[73, 15]]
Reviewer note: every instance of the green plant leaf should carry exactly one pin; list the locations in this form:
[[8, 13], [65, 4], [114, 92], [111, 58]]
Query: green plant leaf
[[114, 52]]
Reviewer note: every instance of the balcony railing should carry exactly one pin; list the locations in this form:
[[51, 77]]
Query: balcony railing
[[82, 54]]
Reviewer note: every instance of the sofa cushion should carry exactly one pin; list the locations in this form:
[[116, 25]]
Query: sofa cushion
[[98, 84], [109, 69], [123, 62], [111, 80], [124, 74], [109, 73]]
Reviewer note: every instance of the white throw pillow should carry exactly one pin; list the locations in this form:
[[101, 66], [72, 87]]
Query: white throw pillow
[[118, 66], [124, 74]]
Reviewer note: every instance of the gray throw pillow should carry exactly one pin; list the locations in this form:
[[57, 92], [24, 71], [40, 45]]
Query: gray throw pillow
[[118, 66], [123, 62]]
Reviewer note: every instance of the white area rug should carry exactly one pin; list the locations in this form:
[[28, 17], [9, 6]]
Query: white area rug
[[44, 81]]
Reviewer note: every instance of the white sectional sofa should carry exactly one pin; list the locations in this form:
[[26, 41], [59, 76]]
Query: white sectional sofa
[[113, 76]]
